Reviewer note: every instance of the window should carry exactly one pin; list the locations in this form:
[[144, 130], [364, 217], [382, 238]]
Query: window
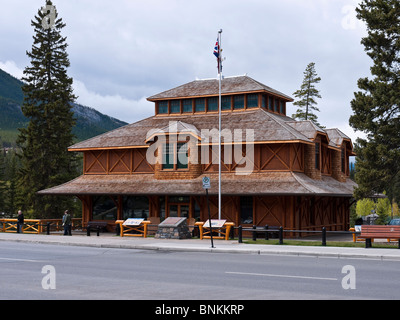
[[175, 106], [175, 156], [252, 101], [238, 102], [226, 103], [212, 104], [283, 107], [271, 103], [343, 160], [135, 207], [188, 105], [200, 105], [182, 155], [276, 105], [178, 199], [163, 107], [196, 211], [162, 207], [104, 208], [317, 155], [264, 102], [246, 210], [168, 156]]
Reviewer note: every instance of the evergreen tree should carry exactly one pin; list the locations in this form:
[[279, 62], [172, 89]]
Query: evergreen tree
[[376, 106], [12, 198], [383, 210], [3, 194], [307, 95], [47, 104]]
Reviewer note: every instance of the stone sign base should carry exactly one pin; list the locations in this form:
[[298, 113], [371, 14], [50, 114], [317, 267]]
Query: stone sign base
[[173, 228]]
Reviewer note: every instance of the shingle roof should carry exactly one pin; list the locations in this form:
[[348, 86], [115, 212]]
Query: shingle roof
[[310, 130], [337, 136], [307, 127], [210, 87], [267, 127], [276, 183], [174, 127]]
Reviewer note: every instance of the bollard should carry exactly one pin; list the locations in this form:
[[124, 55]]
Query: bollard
[[98, 230], [266, 232], [254, 234], [88, 231], [48, 228], [240, 239], [324, 236], [232, 233], [280, 235]]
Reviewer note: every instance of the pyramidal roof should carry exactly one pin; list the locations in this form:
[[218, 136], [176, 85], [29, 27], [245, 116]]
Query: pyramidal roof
[[210, 87], [337, 136]]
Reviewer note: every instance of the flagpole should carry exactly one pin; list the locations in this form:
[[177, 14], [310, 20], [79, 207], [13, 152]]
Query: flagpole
[[219, 123]]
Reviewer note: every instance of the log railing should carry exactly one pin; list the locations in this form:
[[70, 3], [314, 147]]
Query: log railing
[[36, 225]]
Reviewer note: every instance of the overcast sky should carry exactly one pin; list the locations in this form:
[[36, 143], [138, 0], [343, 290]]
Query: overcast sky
[[123, 51]]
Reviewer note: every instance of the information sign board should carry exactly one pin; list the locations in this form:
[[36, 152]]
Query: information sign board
[[214, 223], [133, 222]]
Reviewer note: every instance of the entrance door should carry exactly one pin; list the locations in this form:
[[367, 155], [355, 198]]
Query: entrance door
[[178, 210]]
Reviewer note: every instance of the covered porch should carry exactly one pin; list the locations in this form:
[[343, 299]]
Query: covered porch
[[287, 199]]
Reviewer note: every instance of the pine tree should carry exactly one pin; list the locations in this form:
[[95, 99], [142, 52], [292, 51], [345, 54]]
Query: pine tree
[[306, 95], [47, 102], [376, 106], [12, 190], [3, 191], [383, 210]]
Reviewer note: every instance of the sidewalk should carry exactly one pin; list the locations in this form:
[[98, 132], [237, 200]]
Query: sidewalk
[[109, 240]]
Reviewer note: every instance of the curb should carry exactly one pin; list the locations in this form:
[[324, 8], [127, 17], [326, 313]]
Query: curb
[[331, 252]]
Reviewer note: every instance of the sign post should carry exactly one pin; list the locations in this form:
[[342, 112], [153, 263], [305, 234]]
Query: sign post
[[206, 186]]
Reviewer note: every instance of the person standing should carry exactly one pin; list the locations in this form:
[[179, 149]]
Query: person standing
[[66, 222], [20, 221]]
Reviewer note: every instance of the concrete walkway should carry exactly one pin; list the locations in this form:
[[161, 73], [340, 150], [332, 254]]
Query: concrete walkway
[[109, 240]]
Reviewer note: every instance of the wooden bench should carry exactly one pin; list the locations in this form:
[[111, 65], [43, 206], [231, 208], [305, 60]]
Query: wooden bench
[[369, 232], [97, 226]]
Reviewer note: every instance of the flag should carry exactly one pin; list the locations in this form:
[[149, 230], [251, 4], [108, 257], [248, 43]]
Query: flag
[[216, 49], [217, 53]]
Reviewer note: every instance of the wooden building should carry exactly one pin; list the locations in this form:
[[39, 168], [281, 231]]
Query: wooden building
[[275, 170]]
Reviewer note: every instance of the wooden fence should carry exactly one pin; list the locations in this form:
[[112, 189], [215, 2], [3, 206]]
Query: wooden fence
[[37, 225]]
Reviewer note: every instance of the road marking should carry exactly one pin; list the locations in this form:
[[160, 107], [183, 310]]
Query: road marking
[[21, 260], [281, 276]]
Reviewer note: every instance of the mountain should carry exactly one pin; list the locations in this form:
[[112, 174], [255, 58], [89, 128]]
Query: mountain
[[89, 122]]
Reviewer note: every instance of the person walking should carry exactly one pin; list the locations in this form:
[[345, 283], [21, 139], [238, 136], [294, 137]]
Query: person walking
[[66, 222], [20, 221]]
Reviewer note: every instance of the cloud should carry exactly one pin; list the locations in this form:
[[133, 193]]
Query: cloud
[[12, 68], [124, 51], [116, 106]]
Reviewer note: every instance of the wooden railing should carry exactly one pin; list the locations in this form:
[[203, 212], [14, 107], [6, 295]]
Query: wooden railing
[[37, 225]]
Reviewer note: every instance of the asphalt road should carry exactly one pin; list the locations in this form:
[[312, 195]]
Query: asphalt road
[[38, 271]]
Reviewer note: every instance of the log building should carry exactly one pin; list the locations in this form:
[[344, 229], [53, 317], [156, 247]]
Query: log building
[[275, 170]]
